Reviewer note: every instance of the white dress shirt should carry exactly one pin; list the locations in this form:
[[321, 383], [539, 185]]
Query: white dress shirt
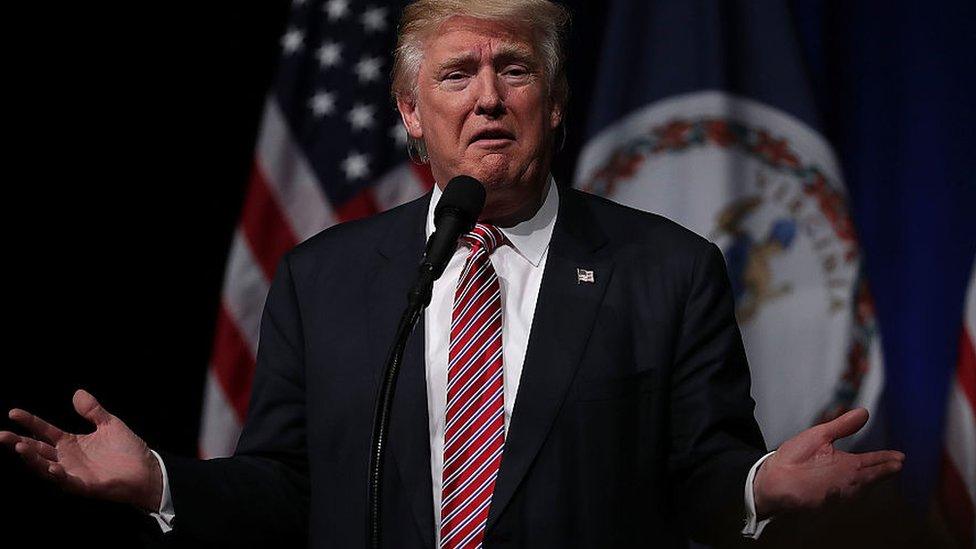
[[519, 264]]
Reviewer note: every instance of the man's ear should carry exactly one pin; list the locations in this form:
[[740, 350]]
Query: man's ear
[[555, 116], [410, 115]]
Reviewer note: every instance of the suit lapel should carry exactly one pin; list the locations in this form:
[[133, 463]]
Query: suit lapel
[[564, 315], [399, 255], [563, 320]]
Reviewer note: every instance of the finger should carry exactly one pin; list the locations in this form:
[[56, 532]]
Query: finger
[[37, 426], [9, 439], [48, 469], [89, 408], [876, 458], [57, 471], [68, 482], [44, 449], [845, 425], [35, 461], [876, 473]]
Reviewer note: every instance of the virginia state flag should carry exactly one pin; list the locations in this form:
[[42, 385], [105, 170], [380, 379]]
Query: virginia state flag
[[703, 113]]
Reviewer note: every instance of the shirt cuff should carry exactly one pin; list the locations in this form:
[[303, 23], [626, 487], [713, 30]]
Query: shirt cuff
[[753, 529], [166, 513]]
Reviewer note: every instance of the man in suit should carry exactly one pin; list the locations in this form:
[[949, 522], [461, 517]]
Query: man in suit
[[578, 379]]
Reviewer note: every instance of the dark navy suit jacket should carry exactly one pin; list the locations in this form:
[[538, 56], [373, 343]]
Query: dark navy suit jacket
[[633, 424]]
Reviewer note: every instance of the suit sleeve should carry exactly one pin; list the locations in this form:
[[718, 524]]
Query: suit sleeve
[[258, 497], [715, 438]]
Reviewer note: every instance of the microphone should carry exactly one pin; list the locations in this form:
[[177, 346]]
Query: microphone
[[455, 214]]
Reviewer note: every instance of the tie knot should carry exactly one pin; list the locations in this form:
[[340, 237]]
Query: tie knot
[[484, 237]]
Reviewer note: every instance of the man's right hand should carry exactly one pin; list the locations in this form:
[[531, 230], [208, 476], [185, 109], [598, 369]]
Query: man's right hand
[[111, 463]]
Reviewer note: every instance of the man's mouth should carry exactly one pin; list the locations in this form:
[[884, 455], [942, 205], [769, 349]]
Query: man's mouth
[[495, 137]]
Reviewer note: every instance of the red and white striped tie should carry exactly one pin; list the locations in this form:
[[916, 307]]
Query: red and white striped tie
[[474, 435]]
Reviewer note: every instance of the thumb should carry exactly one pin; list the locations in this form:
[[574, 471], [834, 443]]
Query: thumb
[[89, 408], [846, 425]]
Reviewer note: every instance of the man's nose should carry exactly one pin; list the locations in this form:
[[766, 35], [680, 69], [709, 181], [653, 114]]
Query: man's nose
[[490, 100]]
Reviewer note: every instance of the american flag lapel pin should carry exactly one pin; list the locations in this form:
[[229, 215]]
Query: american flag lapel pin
[[583, 275]]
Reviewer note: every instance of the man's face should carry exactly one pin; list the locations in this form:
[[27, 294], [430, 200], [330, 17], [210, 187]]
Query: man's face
[[483, 110]]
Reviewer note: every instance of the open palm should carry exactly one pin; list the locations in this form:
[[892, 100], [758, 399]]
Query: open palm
[[807, 470], [111, 463]]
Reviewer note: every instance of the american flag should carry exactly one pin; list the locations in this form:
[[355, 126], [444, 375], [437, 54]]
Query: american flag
[[331, 149], [957, 487]]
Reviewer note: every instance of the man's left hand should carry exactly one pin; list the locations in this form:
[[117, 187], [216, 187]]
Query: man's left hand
[[808, 471]]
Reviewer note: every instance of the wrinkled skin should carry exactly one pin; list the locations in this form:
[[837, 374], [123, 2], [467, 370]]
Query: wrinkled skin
[[483, 108]]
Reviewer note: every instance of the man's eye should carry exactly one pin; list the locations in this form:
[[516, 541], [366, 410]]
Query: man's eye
[[516, 72], [454, 76]]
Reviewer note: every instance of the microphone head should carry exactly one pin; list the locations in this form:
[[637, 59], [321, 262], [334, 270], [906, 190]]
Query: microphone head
[[463, 198]]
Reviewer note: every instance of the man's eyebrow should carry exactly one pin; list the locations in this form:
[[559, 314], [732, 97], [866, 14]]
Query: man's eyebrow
[[505, 52], [457, 60], [513, 51]]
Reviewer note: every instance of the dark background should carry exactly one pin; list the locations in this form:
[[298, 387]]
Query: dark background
[[132, 129]]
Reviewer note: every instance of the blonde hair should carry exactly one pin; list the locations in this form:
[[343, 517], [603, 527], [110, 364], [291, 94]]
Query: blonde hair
[[547, 20]]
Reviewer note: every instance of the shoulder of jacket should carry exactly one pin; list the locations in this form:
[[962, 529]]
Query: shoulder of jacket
[[349, 240]]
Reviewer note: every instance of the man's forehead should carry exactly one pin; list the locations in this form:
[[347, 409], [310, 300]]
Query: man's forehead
[[464, 36]]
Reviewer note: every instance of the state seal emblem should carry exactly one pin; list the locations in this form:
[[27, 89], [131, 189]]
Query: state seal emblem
[[766, 189]]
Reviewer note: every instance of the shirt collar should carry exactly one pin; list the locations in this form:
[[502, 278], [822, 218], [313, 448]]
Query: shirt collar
[[530, 238]]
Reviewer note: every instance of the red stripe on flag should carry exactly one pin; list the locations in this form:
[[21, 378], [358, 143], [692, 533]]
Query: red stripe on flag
[[422, 171], [233, 363], [362, 204], [956, 505], [265, 226], [966, 371]]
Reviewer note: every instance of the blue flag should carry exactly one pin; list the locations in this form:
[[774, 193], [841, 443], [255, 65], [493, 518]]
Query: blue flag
[[705, 114], [828, 151]]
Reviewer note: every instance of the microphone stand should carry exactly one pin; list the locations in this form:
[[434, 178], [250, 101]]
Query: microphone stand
[[417, 300], [455, 214]]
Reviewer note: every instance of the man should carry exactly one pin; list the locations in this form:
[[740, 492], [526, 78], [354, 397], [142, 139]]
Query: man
[[578, 379]]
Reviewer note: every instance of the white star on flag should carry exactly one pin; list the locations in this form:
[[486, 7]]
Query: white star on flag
[[322, 103], [361, 116], [374, 19], [329, 54], [356, 165], [337, 9], [292, 40], [368, 69]]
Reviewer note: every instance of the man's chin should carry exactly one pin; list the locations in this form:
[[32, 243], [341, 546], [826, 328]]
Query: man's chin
[[492, 170]]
